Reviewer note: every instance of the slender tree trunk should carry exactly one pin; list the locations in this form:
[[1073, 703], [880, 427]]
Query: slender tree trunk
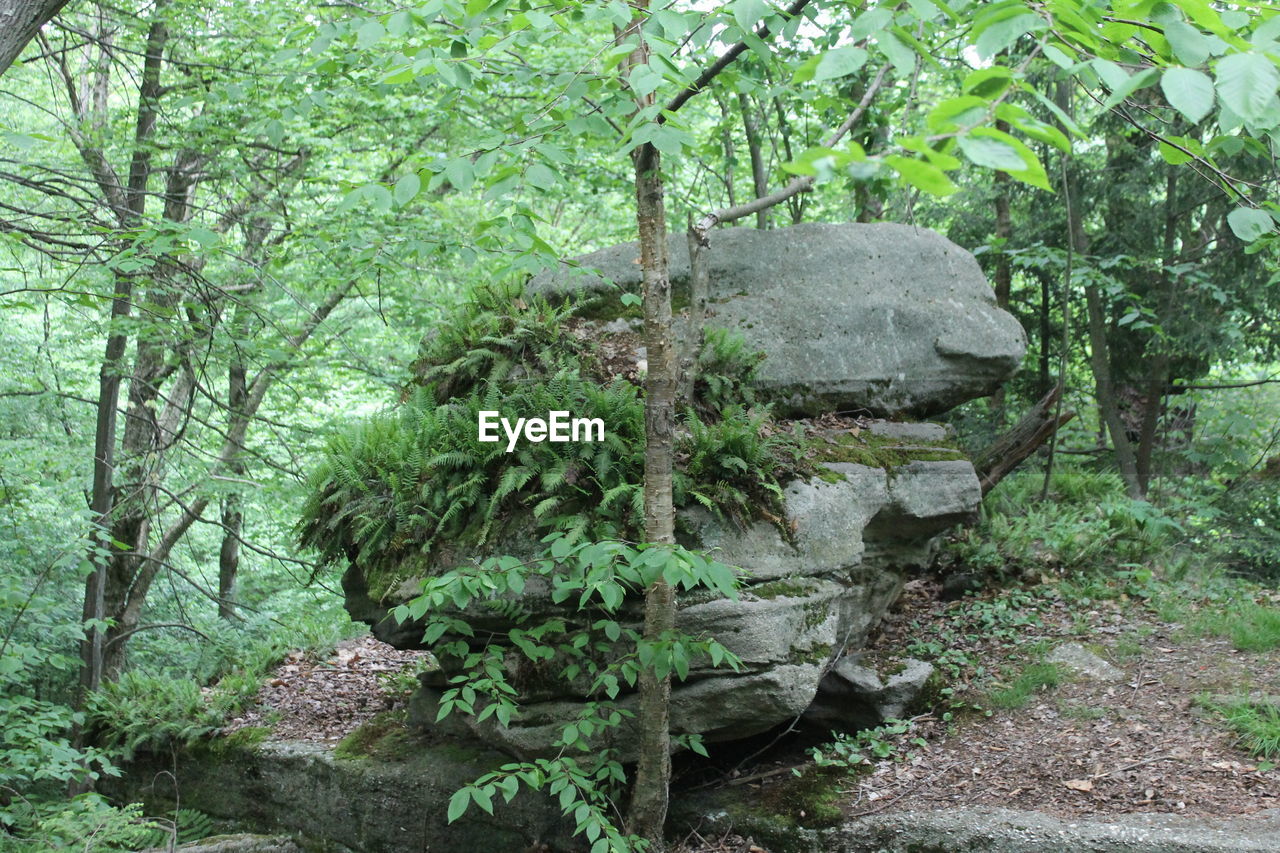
[[1157, 378], [128, 202], [1004, 270], [759, 177], [1108, 403], [649, 797], [104, 454], [730, 155], [1043, 382], [232, 514]]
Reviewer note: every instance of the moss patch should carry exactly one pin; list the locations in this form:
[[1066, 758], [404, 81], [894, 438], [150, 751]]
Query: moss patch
[[607, 307], [879, 451], [818, 655], [811, 801], [241, 739], [383, 738], [782, 588]]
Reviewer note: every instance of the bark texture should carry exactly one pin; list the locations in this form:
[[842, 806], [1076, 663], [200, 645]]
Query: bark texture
[[20, 20]]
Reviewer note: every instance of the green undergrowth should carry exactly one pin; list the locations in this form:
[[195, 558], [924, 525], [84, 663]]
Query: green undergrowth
[[1033, 680], [1250, 626], [1086, 524], [394, 487], [1257, 723], [383, 738]]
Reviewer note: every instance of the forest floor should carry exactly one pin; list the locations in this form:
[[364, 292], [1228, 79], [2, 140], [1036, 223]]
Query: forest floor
[[1148, 740]]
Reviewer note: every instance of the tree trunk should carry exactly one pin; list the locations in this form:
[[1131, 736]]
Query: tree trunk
[[1157, 378], [649, 797], [759, 177], [1038, 425], [232, 514], [20, 20], [128, 202], [1004, 270], [1108, 402], [1043, 382]]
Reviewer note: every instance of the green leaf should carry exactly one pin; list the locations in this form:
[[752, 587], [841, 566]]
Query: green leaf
[[1247, 84], [483, 798], [992, 153], [1111, 74], [1189, 92], [1249, 223], [406, 188], [964, 111], [1058, 57], [1002, 34], [902, 57], [630, 299], [540, 176], [458, 804], [1188, 43], [1130, 85], [206, 238], [380, 196], [1028, 170], [274, 132], [870, 22], [840, 62], [747, 13], [1174, 156], [987, 82], [460, 173], [369, 34], [921, 175], [1033, 127]]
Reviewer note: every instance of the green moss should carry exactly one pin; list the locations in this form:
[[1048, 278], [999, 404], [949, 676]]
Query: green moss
[[783, 588], [607, 307], [386, 737], [818, 655], [879, 451], [827, 475], [240, 739], [812, 800]]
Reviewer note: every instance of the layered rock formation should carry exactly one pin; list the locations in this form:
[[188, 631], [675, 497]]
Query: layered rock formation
[[885, 318]]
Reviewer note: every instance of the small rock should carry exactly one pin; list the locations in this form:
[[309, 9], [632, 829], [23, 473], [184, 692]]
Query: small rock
[[852, 696], [1081, 661], [908, 431]]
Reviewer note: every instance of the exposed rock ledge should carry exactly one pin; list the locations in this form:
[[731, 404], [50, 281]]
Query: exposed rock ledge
[[386, 806], [805, 602]]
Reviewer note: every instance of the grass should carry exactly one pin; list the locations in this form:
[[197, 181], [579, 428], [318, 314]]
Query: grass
[[1250, 626], [1257, 724], [1034, 678]]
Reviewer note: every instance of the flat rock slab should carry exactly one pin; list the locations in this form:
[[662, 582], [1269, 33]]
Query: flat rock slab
[[1085, 663], [1009, 831], [887, 318]]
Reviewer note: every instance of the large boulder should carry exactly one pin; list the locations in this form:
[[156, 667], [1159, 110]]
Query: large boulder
[[808, 598], [909, 324]]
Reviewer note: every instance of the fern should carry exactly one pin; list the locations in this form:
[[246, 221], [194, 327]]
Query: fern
[[394, 485]]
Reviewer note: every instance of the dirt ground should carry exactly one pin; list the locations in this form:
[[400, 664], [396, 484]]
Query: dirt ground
[[1085, 748]]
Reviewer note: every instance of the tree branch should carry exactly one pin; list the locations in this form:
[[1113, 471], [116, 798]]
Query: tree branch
[[797, 185], [726, 59]]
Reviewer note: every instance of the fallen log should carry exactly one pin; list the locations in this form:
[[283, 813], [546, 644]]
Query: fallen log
[[998, 459]]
